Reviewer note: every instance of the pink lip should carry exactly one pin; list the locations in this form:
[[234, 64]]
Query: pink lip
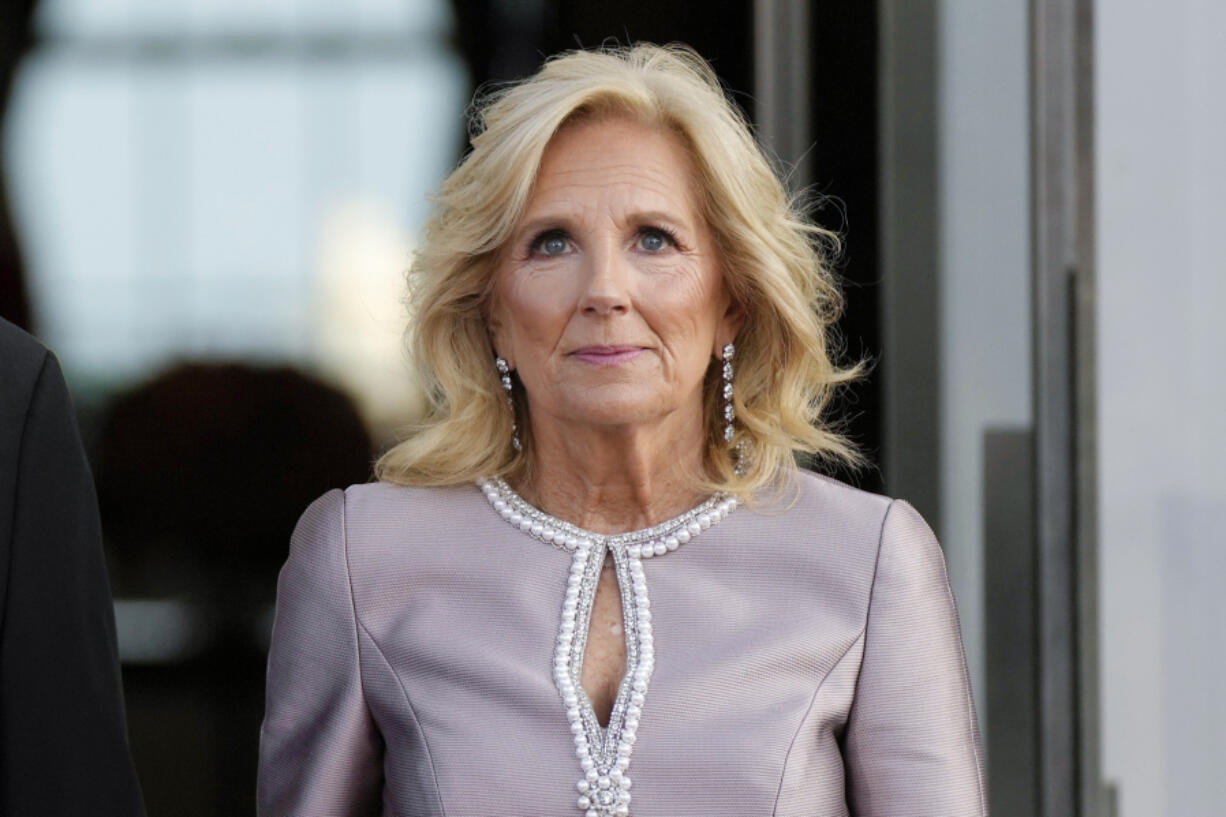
[[607, 355]]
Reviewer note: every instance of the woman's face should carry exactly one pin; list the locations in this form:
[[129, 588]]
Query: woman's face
[[609, 299]]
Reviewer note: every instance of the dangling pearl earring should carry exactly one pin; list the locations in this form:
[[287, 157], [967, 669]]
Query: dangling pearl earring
[[729, 411], [505, 371]]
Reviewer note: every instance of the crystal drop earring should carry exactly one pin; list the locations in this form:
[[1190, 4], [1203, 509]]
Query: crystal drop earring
[[504, 372], [729, 411]]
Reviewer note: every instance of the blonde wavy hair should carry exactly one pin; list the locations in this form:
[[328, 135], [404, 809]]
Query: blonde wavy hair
[[775, 264]]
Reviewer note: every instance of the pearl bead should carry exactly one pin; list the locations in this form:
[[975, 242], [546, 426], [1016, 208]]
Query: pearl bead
[[588, 765], [583, 785], [683, 535], [660, 549], [634, 551], [625, 783], [591, 813], [694, 528], [704, 521], [584, 801], [603, 782]]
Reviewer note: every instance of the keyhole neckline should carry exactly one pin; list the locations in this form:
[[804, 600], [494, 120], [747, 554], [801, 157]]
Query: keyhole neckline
[[604, 752]]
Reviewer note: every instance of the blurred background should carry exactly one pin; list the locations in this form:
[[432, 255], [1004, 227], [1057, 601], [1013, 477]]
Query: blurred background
[[207, 207]]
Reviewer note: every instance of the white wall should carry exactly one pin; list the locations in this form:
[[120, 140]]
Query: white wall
[[984, 252], [1161, 200]]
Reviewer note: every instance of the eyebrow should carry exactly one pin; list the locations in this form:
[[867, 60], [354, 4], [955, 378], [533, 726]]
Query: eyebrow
[[547, 221]]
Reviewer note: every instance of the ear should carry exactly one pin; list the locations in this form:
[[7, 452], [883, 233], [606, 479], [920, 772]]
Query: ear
[[496, 326], [730, 325]]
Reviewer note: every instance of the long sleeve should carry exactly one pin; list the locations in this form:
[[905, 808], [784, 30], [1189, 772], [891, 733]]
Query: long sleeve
[[912, 741], [320, 750], [63, 741]]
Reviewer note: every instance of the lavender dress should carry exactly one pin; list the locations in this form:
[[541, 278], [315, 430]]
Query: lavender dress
[[798, 661]]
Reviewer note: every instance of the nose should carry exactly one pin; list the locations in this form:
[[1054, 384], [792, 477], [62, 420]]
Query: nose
[[607, 284]]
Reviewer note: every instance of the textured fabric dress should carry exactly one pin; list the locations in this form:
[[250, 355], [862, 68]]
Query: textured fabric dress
[[795, 660]]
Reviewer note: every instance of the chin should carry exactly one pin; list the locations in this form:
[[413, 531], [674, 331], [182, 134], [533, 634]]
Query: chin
[[616, 410]]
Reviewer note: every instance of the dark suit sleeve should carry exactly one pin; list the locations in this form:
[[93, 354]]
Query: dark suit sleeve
[[912, 744], [63, 743]]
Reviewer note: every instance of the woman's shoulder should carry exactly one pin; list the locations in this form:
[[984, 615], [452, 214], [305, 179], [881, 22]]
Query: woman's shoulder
[[820, 489], [378, 510], [825, 502], [389, 500], [821, 494], [891, 526], [841, 519], [371, 528]]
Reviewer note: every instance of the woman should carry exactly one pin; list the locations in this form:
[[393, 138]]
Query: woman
[[592, 581]]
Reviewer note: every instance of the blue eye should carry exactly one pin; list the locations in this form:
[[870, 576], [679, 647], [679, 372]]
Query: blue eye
[[553, 242], [655, 240]]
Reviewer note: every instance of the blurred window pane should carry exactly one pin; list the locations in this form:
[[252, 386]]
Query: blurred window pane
[[198, 179]]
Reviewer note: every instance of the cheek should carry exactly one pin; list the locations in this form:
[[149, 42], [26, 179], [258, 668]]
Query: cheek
[[686, 309], [536, 306]]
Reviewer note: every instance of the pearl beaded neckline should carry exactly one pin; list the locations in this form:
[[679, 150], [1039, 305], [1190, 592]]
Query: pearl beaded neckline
[[604, 755]]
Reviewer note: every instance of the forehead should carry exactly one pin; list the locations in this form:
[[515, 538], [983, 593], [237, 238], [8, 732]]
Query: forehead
[[616, 157]]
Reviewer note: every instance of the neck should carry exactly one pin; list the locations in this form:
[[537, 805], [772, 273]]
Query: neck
[[615, 479]]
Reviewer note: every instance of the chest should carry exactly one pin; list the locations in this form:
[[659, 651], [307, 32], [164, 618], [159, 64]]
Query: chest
[[474, 641], [604, 662], [737, 668]]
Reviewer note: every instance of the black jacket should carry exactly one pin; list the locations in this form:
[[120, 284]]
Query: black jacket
[[63, 741]]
